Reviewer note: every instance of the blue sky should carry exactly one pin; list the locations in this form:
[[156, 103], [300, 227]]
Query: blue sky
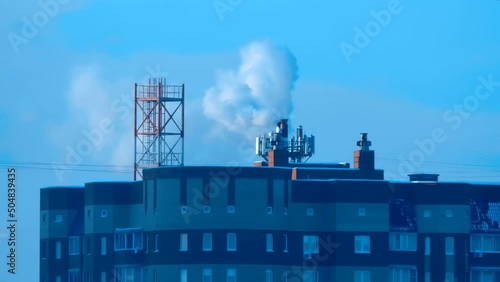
[[424, 61]]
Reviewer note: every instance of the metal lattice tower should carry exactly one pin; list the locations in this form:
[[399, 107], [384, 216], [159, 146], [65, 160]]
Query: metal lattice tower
[[159, 125]]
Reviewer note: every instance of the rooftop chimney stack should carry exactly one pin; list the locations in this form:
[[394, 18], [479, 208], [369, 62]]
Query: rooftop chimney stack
[[283, 125], [364, 158], [300, 133]]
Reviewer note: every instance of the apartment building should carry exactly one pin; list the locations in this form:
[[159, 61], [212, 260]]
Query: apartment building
[[271, 222]]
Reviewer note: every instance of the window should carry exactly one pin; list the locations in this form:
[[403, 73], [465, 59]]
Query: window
[[86, 276], [104, 213], [128, 239], [427, 213], [58, 250], [207, 275], [157, 243], [207, 241], [285, 239], [104, 245], [311, 245], [362, 244], [73, 275], [310, 276], [286, 275], [230, 209], [310, 211], [427, 245], [43, 250], [403, 274], [269, 275], [145, 197], [269, 210], [86, 245], [361, 276], [485, 243], [184, 209], [231, 241], [59, 218], [74, 245], [231, 275], [44, 218], [155, 198], [184, 242], [450, 245], [449, 277], [269, 243], [88, 213], [485, 275], [361, 212], [103, 276], [127, 274], [403, 242], [206, 209], [449, 213], [183, 275]]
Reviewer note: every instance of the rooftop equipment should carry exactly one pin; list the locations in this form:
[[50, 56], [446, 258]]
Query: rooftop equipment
[[278, 145]]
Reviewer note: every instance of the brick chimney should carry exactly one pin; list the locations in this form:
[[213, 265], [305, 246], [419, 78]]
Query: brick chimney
[[364, 158], [278, 158]]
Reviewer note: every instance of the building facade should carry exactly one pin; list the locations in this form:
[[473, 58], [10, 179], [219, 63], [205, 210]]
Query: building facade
[[296, 222]]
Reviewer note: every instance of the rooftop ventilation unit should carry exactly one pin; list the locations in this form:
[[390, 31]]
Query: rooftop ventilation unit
[[423, 177]]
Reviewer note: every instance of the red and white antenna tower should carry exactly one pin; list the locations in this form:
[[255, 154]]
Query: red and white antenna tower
[[158, 125]]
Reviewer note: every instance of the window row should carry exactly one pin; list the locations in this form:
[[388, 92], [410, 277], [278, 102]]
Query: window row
[[232, 209], [231, 276], [270, 210], [132, 240], [402, 242], [58, 218], [398, 273], [207, 275], [231, 242], [446, 213], [404, 273], [135, 274], [401, 273]]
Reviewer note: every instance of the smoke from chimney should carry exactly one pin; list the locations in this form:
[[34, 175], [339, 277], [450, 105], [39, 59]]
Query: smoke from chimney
[[253, 98]]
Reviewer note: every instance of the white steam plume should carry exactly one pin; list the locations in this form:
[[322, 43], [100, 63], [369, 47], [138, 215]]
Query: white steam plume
[[258, 94]]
